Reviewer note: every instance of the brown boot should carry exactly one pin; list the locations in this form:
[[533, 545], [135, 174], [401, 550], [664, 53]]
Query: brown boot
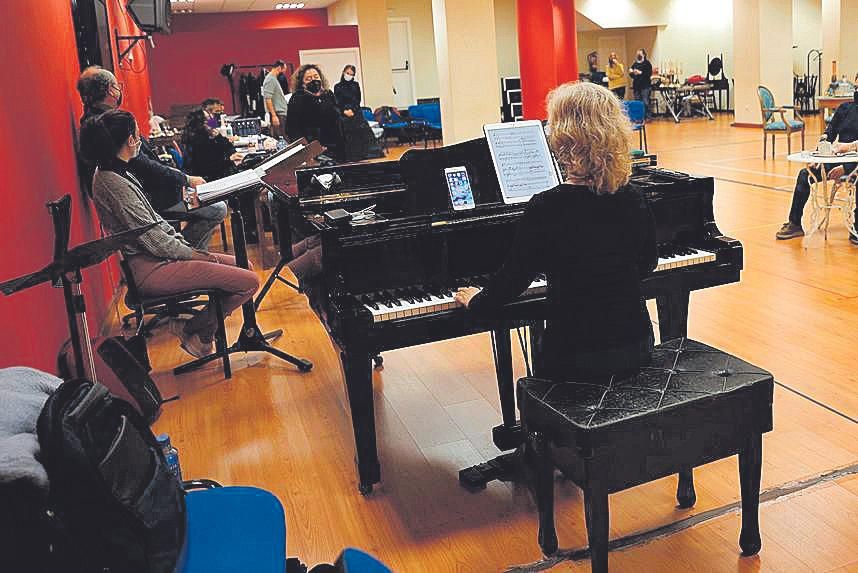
[[789, 231]]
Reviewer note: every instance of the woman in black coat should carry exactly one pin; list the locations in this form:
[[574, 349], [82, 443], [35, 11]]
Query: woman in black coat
[[313, 112], [347, 91]]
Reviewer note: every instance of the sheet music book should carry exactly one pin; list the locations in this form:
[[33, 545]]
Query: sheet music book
[[522, 160], [226, 185], [278, 158]]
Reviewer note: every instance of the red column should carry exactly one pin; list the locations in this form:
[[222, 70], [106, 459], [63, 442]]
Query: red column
[[565, 41], [547, 50]]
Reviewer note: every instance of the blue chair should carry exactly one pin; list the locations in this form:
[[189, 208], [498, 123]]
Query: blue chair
[[391, 122], [367, 114], [356, 561], [772, 125], [233, 529], [636, 112], [428, 115]]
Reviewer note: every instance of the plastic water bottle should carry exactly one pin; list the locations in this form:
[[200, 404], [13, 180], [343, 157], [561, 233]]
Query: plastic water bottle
[[171, 454], [281, 143], [228, 129]]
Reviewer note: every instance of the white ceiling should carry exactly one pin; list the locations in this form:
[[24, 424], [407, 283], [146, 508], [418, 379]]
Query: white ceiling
[[200, 6]]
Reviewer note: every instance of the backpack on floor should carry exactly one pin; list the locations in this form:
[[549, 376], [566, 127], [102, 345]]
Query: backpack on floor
[[122, 366], [111, 492]]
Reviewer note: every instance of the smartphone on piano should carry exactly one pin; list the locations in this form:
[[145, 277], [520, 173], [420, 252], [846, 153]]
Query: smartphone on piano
[[459, 187]]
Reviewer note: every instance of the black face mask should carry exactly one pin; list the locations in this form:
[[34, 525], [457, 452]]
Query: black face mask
[[314, 87]]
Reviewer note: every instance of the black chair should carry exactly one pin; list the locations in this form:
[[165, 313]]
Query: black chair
[[171, 305], [693, 405]]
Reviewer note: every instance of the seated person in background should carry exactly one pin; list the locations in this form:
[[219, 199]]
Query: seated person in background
[[208, 154], [843, 128], [161, 260], [213, 109], [592, 236], [164, 186], [313, 112]]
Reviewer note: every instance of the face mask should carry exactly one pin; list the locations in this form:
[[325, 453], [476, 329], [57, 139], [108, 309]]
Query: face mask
[[348, 77], [314, 86]]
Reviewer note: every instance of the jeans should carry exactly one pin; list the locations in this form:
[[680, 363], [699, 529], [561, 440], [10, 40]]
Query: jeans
[[620, 93], [643, 95], [200, 224], [802, 188], [159, 277]]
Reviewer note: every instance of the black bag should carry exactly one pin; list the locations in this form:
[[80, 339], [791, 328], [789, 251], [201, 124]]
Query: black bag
[[119, 367], [111, 491]]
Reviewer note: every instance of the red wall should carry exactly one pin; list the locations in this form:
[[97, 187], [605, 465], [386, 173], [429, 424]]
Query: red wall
[[39, 113], [271, 20], [185, 66]]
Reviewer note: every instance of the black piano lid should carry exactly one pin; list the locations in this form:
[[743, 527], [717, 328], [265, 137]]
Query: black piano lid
[[354, 177], [423, 173]]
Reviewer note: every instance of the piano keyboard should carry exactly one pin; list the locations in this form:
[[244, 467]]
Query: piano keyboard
[[404, 303], [420, 303], [682, 257]]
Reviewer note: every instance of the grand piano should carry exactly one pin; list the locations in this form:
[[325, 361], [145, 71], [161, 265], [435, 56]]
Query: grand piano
[[388, 279]]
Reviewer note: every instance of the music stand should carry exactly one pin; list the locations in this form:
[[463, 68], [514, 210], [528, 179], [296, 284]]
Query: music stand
[[65, 270], [251, 338], [278, 179]]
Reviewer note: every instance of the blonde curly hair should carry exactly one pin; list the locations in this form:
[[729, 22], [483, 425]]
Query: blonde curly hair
[[590, 133]]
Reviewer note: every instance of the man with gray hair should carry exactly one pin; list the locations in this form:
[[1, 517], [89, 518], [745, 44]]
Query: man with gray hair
[[100, 91]]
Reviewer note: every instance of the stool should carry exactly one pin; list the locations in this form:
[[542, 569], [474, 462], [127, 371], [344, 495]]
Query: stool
[[692, 405]]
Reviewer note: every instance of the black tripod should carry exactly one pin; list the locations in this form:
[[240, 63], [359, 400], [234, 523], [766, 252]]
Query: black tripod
[[65, 271], [251, 338], [275, 275]]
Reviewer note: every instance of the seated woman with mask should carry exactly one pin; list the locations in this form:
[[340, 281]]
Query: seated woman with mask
[[313, 112], [592, 237], [162, 262]]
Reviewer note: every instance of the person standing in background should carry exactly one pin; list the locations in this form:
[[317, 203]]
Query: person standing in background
[[275, 99], [641, 72], [347, 92], [616, 76]]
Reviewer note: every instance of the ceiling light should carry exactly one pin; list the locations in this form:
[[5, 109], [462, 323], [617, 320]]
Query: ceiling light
[[288, 5]]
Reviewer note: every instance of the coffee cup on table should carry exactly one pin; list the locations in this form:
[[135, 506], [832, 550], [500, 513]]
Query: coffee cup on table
[[824, 147]]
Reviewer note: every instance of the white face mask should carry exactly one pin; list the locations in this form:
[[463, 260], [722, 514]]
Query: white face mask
[[348, 77]]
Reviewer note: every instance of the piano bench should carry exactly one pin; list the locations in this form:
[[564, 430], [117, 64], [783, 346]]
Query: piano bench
[[692, 405]]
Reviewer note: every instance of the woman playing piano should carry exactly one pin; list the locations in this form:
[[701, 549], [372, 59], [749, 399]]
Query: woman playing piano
[[161, 260], [592, 237]]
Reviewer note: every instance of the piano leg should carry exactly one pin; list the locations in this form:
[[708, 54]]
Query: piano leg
[[508, 435], [357, 374], [673, 323], [672, 314]]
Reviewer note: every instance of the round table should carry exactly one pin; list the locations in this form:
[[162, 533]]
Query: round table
[[823, 192]]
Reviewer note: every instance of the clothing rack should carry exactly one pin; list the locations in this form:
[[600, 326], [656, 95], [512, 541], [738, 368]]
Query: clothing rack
[[233, 67]]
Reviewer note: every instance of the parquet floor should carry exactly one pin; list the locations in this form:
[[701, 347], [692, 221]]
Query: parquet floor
[[795, 312]]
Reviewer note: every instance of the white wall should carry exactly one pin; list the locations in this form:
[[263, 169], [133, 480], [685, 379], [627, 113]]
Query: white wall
[[806, 33], [419, 12], [506, 30]]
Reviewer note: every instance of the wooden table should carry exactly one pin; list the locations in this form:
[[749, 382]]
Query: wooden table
[[832, 103]]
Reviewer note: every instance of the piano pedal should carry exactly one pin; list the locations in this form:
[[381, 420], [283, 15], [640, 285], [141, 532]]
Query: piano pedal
[[504, 468]]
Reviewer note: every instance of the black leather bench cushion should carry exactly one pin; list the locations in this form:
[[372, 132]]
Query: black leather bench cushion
[[685, 381]]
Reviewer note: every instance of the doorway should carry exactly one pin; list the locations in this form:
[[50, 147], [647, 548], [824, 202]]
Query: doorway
[[401, 61]]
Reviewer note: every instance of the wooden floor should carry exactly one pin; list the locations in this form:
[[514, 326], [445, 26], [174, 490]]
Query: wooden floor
[[795, 312]]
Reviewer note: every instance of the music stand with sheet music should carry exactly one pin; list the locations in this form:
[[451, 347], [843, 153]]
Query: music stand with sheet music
[[65, 270], [279, 178], [230, 189]]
